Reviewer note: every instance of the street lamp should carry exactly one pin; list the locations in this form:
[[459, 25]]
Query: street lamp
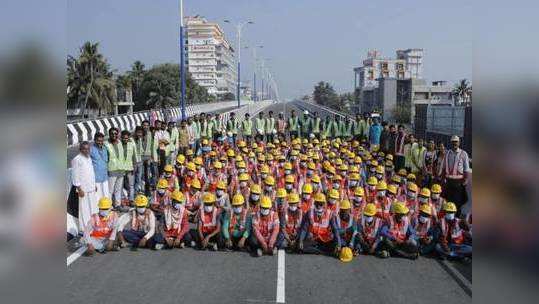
[[239, 27], [254, 48], [182, 62]]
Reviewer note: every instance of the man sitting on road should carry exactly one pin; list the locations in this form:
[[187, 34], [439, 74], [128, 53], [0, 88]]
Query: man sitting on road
[[141, 232], [175, 224], [454, 238], [265, 228], [398, 235], [208, 234], [100, 234], [237, 224]]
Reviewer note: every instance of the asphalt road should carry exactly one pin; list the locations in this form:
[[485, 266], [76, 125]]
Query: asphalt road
[[191, 276]]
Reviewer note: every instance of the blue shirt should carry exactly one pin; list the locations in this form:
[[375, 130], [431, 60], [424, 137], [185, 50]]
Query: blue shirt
[[100, 158], [374, 134]]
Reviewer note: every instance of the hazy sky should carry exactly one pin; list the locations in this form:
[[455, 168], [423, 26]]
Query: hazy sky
[[306, 40]]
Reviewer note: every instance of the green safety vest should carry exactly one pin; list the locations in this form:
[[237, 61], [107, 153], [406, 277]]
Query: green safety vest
[[342, 127], [327, 128], [260, 124], [356, 128], [316, 125], [232, 125], [212, 127], [365, 128], [347, 129], [270, 125], [174, 139], [293, 123], [196, 129], [305, 124], [336, 129], [121, 161], [247, 127], [150, 150]]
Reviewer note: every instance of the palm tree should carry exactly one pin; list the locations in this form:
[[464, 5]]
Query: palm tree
[[137, 76], [463, 90]]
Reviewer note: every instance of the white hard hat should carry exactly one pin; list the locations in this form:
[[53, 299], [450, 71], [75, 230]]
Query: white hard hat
[[306, 112], [455, 138]]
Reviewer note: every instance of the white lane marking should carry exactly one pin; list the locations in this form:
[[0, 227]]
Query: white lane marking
[[75, 255], [280, 276]]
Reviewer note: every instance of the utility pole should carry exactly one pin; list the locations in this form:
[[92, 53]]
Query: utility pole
[[182, 62], [239, 27]]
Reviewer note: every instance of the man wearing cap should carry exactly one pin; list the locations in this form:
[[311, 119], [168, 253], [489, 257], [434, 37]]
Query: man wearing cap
[[456, 170]]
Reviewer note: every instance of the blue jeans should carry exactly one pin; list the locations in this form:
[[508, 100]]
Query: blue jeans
[[455, 250], [139, 177]]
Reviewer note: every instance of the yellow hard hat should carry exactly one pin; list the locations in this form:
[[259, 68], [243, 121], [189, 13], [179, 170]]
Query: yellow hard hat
[[370, 209], [289, 179], [205, 142], [345, 204], [141, 201], [372, 181], [293, 198], [346, 255], [294, 153], [218, 165], [380, 169], [270, 181], [180, 159], [255, 189], [449, 207], [358, 160], [288, 166], [261, 157], [436, 188], [333, 193], [242, 144], [104, 203], [191, 166], [311, 166], [381, 186], [307, 189], [411, 177], [316, 178], [336, 178], [241, 165], [354, 169], [402, 172], [230, 153], [343, 167], [399, 208], [196, 184], [177, 195], [198, 161], [162, 183], [221, 185], [425, 192], [208, 198], [320, 197], [331, 169], [396, 179], [281, 193], [254, 145], [425, 208], [189, 152], [354, 176], [358, 191], [412, 187], [237, 200], [264, 169], [169, 168], [374, 163], [392, 189], [265, 202], [238, 158], [338, 162], [389, 157], [244, 177]]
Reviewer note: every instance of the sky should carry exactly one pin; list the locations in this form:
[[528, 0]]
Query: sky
[[305, 41]]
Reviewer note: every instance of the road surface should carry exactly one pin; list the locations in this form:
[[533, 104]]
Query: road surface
[[191, 276]]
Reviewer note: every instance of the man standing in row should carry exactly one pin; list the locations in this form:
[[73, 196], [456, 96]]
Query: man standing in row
[[84, 186]]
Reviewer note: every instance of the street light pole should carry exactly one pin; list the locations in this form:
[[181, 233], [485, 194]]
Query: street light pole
[[182, 63], [239, 27]]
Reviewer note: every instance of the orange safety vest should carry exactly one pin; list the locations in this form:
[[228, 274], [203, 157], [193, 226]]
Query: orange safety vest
[[456, 233], [423, 229], [192, 201], [172, 182], [234, 220], [383, 208], [141, 222], [369, 232], [293, 223], [320, 226], [161, 201], [102, 227], [305, 205], [173, 222], [398, 230], [265, 225], [209, 220]]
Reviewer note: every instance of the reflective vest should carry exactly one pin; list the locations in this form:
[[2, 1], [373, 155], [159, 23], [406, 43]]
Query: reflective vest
[[305, 124], [265, 225], [422, 230], [141, 222], [398, 230], [456, 234], [148, 146], [453, 172], [238, 221], [320, 226], [209, 220], [305, 205], [247, 127], [316, 125], [161, 200], [270, 125], [369, 232], [293, 123], [383, 207], [120, 161], [232, 126], [293, 222], [260, 124], [174, 220], [102, 226]]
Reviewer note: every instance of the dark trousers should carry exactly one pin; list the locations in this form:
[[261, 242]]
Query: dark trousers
[[162, 161], [186, 239], [399, 162], [133, 237], [218, 239], [408, 249], [455, 191], [317, 247]]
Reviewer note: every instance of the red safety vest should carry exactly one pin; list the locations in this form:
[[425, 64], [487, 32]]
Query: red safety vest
[[369, 232], [209, 220], [266, 224], [174, 220], [320, 226], [234, 220], [305, 205], [423, 229], [398, 230], [452, 230], [453, 172], [293, 222], [102, 226]]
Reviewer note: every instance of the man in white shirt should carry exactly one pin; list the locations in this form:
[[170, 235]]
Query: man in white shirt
[[455, 170], [83, 179]]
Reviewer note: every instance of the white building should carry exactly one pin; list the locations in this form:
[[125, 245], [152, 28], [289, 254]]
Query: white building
[[210, 57]]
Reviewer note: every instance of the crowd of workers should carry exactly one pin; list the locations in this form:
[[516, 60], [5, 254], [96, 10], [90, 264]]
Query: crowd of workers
[[333, 186]]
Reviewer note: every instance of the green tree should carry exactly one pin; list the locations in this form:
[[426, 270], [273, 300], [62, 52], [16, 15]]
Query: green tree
[[324, 94], [136, 76], [463, 90], [402, 114]]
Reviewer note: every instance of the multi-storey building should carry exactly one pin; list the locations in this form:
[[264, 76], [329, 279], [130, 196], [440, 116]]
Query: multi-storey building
[[210, 57]]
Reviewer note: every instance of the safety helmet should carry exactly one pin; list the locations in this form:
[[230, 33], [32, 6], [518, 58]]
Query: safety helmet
[[180, 159], [380, 169], [191, 166], [242, 144], [141, 200], [402, 172], [208, 198], [244, 177], [230, 153], [425, 208], [218, 165], [436, 188], [177, 195], [333, 193], [311, 166], [425, 192], [320, 197], [372, 181], [346, 255], [237, 200], [281, 193], [307, 189], [449, 207], [396, 179], [345, 205], [196, 184], [198, 161], [399, 208], [358, 191], [412, 187], [255, 189], [270, 181], [316, 178], [104, 203], [264, 169], [162, 183], [289, 179], [389, 157], [221, 185], [354, 176], [392, 189], [331, 169], [288, 166], [354, 169], [265, 202], [411, 177], [374, 163], [293, 198], [205, 142], [336, 178], [382, 185], [370, 209], [189, 152], [168, 168]]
